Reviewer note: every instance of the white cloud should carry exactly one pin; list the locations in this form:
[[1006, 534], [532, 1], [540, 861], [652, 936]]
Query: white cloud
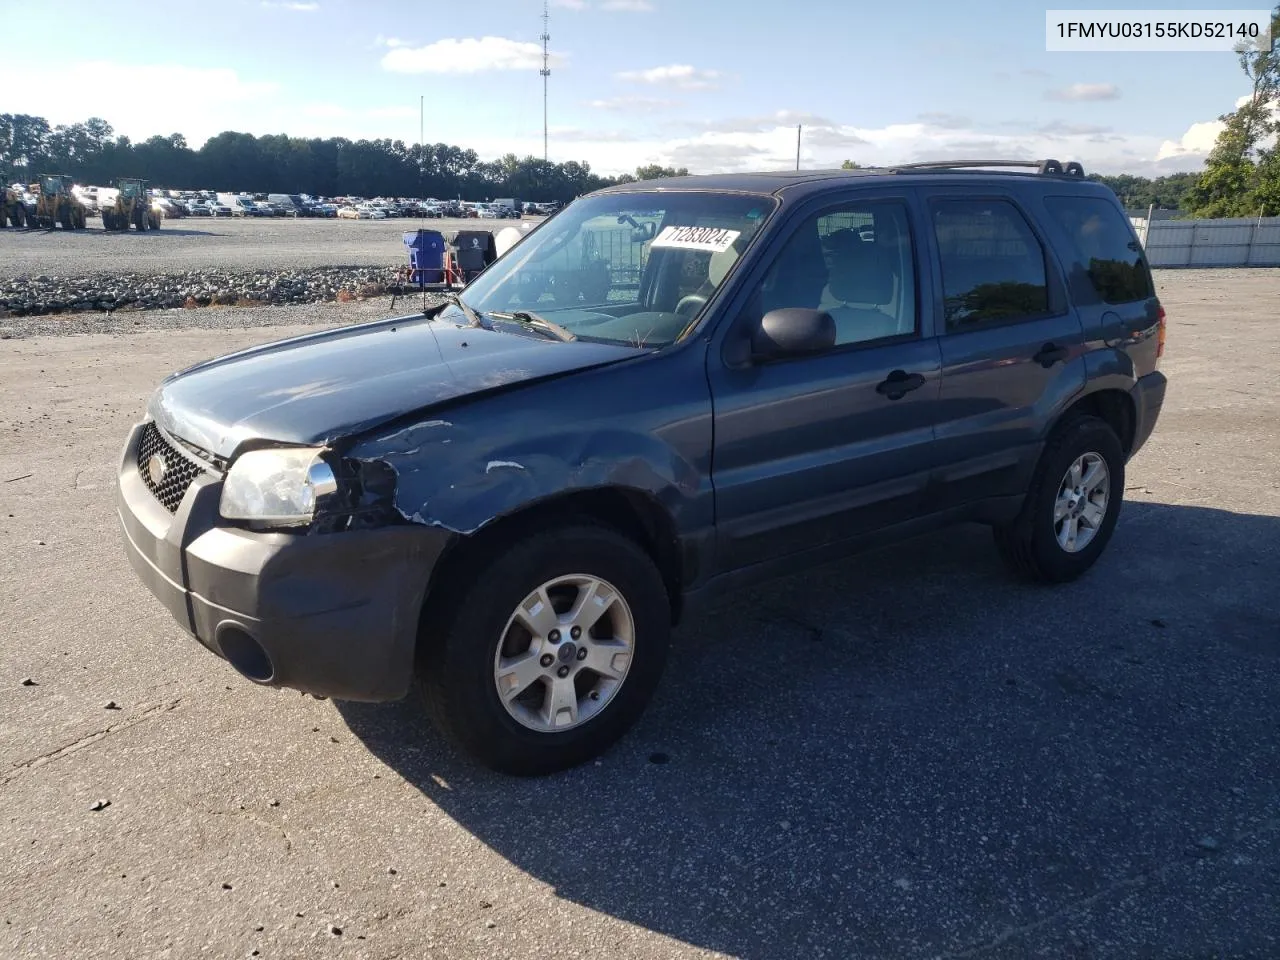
[[1197, 141], [325, 111], [334, 111], [575, 135], [1200, 137], [393, 113], [466, 55], [570, 4], [296, 7], [1085, 91], [676, 75], [141, 100], [381, 41], [633, 104], [945, 121]]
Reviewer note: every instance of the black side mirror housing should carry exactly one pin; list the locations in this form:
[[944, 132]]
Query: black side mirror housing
[[792, 332]]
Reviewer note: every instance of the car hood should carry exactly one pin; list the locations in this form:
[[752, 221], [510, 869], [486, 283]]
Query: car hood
[[322, 387]]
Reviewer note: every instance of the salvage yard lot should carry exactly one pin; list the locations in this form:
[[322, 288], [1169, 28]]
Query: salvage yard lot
[[227, 243], [900, 755]]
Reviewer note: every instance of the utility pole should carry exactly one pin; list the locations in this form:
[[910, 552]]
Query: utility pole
[[546, 72], [798, 128]]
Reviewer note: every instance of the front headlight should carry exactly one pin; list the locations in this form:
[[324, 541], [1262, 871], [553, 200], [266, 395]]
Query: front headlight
[[279, 487]]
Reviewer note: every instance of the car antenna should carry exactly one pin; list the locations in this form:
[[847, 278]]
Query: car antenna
[[422, 214]]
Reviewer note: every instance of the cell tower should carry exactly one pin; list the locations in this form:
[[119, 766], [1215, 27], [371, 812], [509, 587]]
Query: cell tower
[[545, 71]]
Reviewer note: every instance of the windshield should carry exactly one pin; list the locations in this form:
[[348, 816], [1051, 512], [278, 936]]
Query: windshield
[[631, 268]]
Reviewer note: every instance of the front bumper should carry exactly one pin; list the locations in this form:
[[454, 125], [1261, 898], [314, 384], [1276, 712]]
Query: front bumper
[[335, 615], [1148, 400]]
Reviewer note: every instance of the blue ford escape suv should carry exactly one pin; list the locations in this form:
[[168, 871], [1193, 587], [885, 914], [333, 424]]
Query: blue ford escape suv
[[664, 391]]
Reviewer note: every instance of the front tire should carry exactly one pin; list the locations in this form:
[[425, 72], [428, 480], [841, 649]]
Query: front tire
[[550, 652], [1072, 505]]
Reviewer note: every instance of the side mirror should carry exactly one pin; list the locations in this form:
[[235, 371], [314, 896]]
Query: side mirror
[[792, 331]]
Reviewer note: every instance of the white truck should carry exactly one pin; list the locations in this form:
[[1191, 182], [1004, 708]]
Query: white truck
[[507, 208]]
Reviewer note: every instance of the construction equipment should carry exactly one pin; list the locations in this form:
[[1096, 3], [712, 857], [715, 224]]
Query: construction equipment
[[12, 209], [56, 205], [132, 208]]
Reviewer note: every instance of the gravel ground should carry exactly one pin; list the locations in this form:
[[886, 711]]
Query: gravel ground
[[200, 243], [265, 317], [899, 755]]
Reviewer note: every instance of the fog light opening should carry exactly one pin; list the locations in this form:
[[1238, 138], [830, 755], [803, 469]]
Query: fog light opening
[[245, 654]]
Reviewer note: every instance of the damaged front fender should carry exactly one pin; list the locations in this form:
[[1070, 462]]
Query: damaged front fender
[[448, 476]]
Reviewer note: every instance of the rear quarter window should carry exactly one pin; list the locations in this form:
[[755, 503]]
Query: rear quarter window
[[1105, 246]]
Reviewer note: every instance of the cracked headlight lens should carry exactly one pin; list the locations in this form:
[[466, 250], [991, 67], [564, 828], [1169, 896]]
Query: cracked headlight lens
[[276, 487]]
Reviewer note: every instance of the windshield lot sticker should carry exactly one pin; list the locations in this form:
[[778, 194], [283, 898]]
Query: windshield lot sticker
[[712, 239]]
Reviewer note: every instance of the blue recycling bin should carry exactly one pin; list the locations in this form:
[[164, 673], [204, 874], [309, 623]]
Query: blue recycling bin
[[426, 256]]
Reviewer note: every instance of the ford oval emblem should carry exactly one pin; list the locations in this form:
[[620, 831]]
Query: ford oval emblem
[[156, 469]]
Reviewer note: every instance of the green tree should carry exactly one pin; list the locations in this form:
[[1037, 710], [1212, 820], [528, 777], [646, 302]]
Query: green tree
[[850, 165], [656, 171], [1165, 193], [1240, 174]]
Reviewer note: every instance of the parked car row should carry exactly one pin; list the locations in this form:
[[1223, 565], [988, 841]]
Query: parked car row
[[174, 204]]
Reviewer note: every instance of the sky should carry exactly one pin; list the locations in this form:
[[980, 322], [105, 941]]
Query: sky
[[712, 85]]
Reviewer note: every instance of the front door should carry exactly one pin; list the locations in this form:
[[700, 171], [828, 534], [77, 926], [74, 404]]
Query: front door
[[816, 449]]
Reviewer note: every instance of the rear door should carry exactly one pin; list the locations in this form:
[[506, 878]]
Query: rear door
[[813, 450], [1011, 344]]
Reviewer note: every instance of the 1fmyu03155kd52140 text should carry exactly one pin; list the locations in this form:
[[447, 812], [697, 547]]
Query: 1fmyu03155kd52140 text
[[1134, 31]]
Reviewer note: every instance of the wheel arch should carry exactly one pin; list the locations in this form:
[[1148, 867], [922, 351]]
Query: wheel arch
[[1111, 404], [628, 511]]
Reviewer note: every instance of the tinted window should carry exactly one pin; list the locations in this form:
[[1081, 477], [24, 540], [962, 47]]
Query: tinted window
[[1105, 246], [857, 264], [992, 264]]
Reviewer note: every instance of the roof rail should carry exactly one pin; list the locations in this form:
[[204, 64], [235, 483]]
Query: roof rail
[[1048, 167]]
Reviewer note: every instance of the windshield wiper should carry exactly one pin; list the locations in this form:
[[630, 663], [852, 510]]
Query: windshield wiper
[[540, 324], [474, 317]]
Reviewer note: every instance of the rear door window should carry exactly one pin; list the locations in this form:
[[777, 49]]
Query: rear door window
[[1106, 247], [993, 265]]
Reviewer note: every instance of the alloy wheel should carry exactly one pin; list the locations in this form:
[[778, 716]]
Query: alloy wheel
[[1081, 505], [564, 653]]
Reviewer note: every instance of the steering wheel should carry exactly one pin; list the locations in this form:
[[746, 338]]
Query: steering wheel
[[691, 304]]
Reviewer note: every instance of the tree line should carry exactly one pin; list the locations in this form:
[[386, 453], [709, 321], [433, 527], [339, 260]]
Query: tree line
[[334, 166], [1164, 193]]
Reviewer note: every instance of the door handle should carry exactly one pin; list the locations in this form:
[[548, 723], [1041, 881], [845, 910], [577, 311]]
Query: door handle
[[1049, 355], [899, 383]]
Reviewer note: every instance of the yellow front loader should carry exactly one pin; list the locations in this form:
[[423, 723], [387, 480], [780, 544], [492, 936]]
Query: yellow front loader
[[131, 209], [56, 205]]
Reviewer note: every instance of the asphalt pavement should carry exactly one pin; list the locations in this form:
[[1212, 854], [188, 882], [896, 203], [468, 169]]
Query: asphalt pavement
[[901, 755]]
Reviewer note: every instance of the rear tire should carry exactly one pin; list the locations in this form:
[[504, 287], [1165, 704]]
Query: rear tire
[[1063, 528], [467, 646]]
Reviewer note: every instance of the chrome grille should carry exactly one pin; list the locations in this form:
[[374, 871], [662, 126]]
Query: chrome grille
[[178, 473]]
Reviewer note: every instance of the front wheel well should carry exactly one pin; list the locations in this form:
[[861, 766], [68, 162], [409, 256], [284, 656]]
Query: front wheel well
[[629, 512], [1113, 407]]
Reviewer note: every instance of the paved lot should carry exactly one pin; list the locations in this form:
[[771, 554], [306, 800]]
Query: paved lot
[[199, 243], [901, 755]]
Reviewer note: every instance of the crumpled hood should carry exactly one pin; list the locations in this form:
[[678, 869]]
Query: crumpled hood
[[321, 387]]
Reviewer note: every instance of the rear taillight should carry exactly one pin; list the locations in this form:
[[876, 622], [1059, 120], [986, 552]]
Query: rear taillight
[[1160, 335]]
